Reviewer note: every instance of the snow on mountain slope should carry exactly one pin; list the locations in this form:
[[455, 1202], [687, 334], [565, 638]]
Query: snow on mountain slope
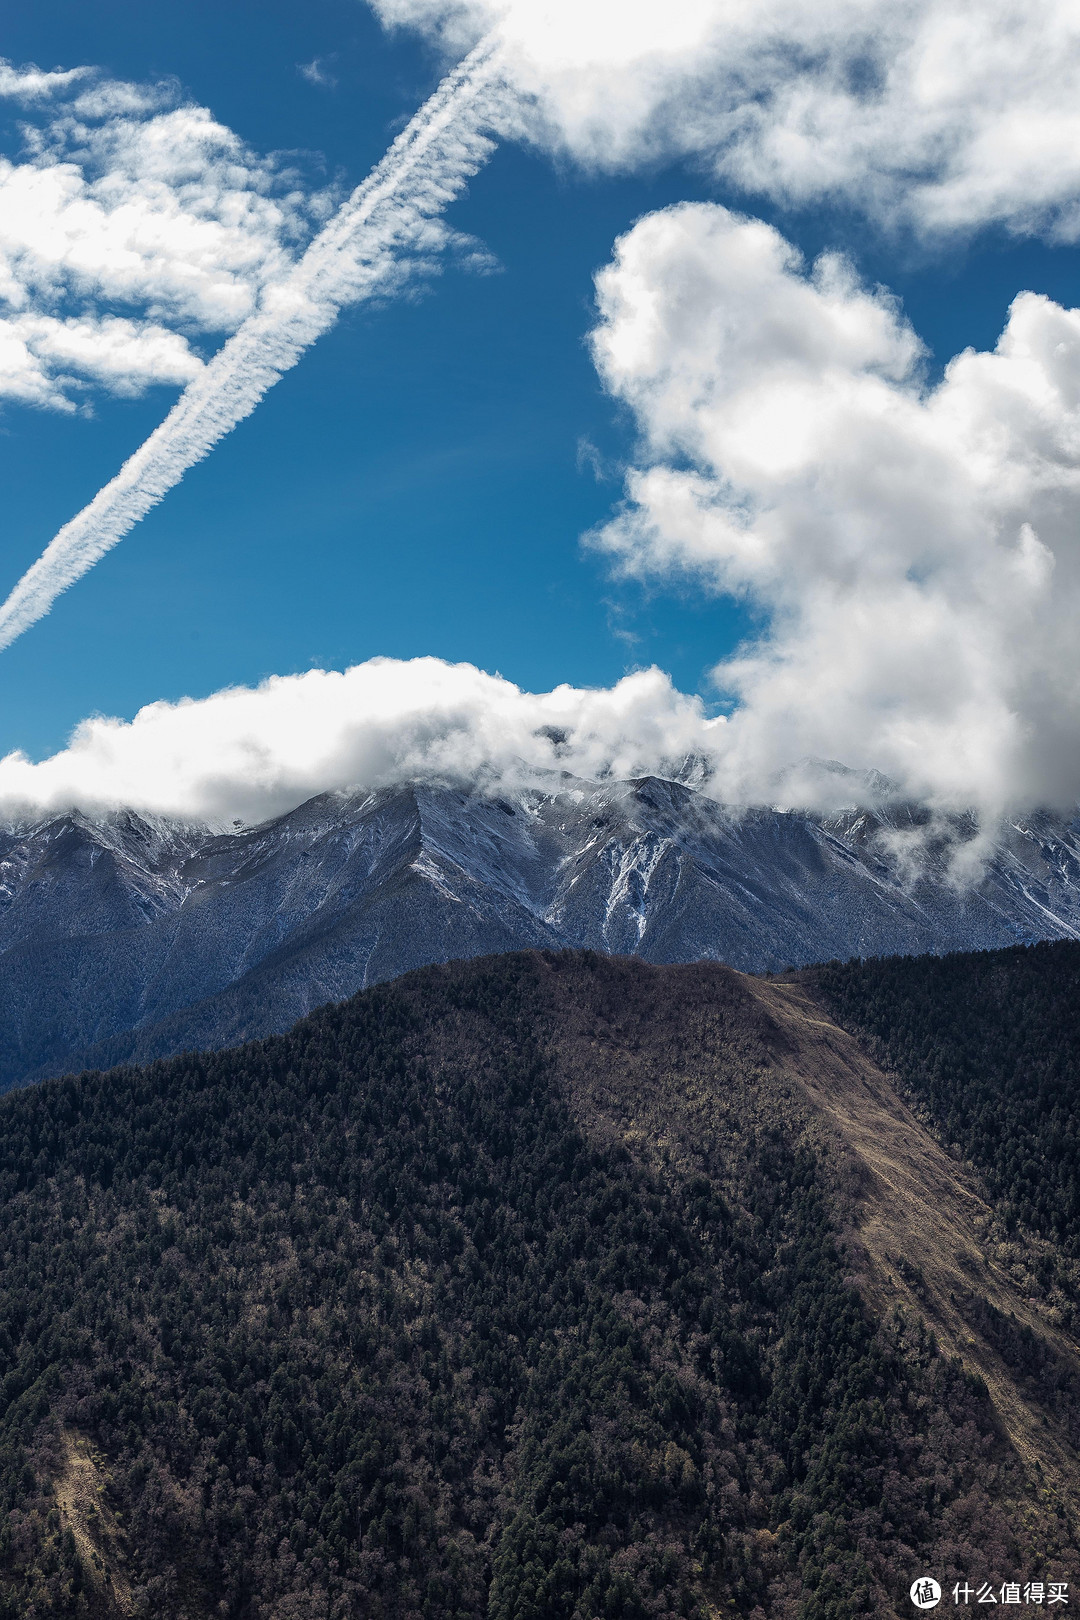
[[132, 938]]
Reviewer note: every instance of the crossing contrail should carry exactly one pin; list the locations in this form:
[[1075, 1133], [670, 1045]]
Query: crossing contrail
[[358, 251]]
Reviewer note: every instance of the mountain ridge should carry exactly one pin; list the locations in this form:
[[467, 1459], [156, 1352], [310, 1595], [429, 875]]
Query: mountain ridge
[[130, 938]]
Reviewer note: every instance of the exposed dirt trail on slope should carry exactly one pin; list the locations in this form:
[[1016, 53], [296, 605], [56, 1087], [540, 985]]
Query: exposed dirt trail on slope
[[916, 1221], [80, 1492]]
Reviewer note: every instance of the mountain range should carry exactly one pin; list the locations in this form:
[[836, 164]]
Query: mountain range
[[129, 937]]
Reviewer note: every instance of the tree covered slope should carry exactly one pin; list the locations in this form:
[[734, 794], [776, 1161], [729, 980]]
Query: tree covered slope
[[541, 1286], [988, 1044]]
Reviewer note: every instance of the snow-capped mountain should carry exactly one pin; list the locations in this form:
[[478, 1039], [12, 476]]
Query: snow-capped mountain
[[133, 938]]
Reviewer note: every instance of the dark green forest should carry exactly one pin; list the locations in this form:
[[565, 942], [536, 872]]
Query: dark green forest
[[372, 1320], [988, 1044]]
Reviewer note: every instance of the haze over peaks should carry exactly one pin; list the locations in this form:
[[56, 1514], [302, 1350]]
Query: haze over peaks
[[248, 754]]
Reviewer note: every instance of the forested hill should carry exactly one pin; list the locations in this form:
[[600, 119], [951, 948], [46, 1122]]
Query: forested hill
[[541, 1287], [987, 1044]]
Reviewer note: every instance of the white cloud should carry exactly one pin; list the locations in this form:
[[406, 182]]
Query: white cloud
[[916, 548], [123, 195], [30, 83], [941, 114], [316, 72], [254, 753], [44, 360], [165, 212]]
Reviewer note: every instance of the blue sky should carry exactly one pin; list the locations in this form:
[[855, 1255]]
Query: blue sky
[[414, 486], [420, 482]]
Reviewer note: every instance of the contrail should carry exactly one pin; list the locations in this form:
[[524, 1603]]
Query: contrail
[[354, 254]]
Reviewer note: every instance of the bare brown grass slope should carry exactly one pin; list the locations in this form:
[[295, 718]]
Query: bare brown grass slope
[[919, 1219]]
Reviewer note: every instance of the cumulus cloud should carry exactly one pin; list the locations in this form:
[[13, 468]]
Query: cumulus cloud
[[935, 114], [122, 194], [45, 360], [251, 753], [915, 548], [30, 83]]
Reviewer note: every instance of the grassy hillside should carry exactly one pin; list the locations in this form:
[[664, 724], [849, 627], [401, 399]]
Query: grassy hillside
[[528, 1288]]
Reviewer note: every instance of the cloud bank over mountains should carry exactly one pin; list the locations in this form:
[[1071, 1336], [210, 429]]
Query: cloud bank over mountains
[[934, 115], [251, 753]]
